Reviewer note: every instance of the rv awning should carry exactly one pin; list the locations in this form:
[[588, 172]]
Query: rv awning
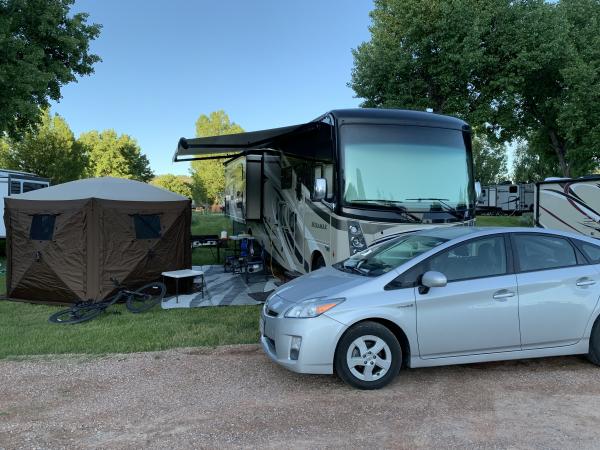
[[283, 138]]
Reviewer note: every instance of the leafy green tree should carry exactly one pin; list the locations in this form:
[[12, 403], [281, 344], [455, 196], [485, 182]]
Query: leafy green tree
[[516, 69], [115, 156], [547, 85], [423, 54], [530, 166], [179, 184], [42, 47], [208, 177], [49, 151], [489, 160]]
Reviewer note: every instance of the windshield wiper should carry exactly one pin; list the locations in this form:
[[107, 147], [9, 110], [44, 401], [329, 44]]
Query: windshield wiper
[[442, 201], [394, 204], [352, 269]]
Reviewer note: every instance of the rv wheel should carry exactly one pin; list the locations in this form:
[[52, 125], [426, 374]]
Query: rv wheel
[[318, 262]]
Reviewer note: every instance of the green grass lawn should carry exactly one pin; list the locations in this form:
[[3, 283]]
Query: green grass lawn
[[525, 220], [25, 330], [209, 224]]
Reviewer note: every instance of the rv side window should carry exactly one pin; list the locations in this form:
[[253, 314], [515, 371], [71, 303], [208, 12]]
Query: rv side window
[[27, 187], [15, 187], [513, 189], [147, 226], [42, 227]]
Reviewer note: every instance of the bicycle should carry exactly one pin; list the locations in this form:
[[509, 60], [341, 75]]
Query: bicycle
[[136, 301]]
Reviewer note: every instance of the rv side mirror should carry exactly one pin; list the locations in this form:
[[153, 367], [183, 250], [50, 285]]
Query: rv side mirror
[[320, 189], [477, 189]]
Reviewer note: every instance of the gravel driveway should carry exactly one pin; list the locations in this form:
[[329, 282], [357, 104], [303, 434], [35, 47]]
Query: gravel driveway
[[234, 397]]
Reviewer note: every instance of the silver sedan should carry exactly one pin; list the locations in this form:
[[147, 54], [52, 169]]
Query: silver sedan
[[438, 297]]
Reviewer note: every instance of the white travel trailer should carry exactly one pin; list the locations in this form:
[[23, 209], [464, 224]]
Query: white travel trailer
[[316, 193], [13, 182], [506, 198], [488, 200], [570, 204]]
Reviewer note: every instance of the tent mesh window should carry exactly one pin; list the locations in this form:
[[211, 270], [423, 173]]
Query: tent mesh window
[[147, 226], [42, 227]]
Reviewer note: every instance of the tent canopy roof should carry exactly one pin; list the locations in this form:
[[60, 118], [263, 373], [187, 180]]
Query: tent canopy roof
[[106, 188]]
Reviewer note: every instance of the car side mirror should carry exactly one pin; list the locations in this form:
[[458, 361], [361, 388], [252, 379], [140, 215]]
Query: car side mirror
[[431, 279], [320, 189]]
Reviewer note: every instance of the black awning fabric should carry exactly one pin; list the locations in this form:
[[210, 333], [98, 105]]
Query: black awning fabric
[[284, 139]]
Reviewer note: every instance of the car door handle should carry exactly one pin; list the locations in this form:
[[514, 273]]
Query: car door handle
[[585, 282], [503, 294]]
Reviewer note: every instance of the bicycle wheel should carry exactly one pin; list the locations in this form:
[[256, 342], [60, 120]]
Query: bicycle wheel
[[146, 297], [77, 314]]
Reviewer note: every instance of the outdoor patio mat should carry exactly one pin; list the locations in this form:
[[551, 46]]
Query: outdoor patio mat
[[224, 289]]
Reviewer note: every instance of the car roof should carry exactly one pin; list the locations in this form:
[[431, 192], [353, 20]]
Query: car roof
[[457, 232], [448, 232]]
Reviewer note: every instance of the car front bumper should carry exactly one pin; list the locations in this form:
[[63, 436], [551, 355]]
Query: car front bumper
[[319, 339]]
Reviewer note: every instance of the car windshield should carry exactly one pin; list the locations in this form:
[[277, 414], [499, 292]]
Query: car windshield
[[389, 255], [408, 167]]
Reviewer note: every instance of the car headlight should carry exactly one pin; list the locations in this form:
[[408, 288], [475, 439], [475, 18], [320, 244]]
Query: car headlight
[[312, 307]]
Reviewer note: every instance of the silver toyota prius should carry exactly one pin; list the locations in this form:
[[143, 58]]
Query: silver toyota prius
[[437, 297]]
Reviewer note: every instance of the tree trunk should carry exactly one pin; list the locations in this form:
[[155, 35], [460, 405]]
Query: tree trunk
[[561, 153]]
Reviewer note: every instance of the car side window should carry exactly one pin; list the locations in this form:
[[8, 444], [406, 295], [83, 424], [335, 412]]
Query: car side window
[[591, 251], [539, 252], [477, 258], [406, 280]]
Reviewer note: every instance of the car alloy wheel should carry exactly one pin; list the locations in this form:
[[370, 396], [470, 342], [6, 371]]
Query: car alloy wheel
[[369, 358]]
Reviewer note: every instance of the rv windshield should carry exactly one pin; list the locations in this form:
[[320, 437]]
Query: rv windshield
[[410, 168]]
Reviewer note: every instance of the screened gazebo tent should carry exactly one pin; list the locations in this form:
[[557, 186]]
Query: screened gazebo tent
[[66, 242]]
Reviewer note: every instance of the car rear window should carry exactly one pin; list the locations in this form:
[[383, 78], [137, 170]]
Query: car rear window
[[543, 252]]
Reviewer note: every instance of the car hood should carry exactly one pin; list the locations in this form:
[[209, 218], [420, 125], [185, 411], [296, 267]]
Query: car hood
[[325, 282]]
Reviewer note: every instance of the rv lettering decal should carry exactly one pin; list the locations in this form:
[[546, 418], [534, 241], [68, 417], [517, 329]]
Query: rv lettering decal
[[321, 226]]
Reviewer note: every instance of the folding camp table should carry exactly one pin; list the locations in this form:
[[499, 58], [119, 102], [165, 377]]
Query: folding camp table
[[185, 273]]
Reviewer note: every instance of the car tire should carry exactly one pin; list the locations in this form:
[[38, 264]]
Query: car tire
[[368, 356], [594, 350]]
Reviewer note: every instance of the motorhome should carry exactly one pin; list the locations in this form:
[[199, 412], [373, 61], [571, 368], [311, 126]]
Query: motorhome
[[570, 204], [14, 182], [506, 198], [315, 193]]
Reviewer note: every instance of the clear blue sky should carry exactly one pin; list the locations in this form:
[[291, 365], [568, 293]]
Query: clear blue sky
[[267, 63]]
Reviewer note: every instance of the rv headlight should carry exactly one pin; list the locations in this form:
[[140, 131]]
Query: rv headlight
[[312, 307], [356, 238]]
